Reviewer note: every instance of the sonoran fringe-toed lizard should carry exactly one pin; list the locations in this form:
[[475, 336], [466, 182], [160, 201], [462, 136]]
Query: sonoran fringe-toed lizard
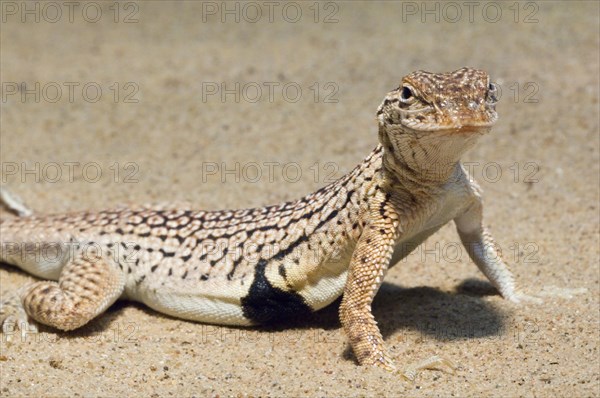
[[253, 266]]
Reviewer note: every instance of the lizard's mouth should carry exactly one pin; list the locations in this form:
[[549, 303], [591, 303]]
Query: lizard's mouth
[[467, 130], [451, 124]]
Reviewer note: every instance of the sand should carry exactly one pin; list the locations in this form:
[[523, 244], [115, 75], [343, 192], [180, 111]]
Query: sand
[[168, 127]]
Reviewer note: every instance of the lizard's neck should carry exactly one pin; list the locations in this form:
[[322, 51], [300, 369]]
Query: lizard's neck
[[420, 163]]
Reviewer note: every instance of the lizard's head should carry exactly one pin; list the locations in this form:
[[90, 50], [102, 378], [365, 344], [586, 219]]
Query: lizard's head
[[436, 117]]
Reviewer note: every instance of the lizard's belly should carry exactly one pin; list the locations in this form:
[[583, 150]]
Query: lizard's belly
[[405, 246], [453, 204], [217, 303], [326, 283], [325, 288]]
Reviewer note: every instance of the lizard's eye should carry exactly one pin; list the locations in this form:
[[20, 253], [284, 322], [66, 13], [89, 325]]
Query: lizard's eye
[[492, 94], [406, 95]]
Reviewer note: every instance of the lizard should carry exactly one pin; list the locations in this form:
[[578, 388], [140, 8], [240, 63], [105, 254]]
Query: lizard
[[261, 265]]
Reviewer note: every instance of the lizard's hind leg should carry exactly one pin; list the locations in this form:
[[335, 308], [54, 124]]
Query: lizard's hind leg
[[87, 286], [13, 315]]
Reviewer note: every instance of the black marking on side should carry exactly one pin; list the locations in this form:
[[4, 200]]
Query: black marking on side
[[282, 271], [166, 254], [236, 262], [382, 209], [266, 303]]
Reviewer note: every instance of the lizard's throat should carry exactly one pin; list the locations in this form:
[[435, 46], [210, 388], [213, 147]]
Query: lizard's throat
[[427, 157]]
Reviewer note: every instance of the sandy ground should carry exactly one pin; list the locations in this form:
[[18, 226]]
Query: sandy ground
[[158, 133]]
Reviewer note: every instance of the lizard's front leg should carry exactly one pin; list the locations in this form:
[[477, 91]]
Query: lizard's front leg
[[368, 265], [483, 251], [367, 268]]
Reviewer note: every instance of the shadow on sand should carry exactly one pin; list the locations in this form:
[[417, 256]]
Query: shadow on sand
[[427, 311]]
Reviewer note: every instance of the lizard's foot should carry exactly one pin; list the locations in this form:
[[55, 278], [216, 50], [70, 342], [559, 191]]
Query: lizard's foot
[[431, 363], [522, 298], [13, 317], [381, 361]]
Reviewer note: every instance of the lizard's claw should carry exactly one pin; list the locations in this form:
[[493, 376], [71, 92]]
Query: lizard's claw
[[433, 362]]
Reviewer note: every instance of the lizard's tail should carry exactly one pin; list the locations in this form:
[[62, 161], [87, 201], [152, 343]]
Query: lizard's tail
[[14, 203]]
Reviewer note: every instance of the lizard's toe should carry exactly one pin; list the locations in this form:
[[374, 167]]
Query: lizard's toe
[[13, 317], [521, 298], [432, 363]]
